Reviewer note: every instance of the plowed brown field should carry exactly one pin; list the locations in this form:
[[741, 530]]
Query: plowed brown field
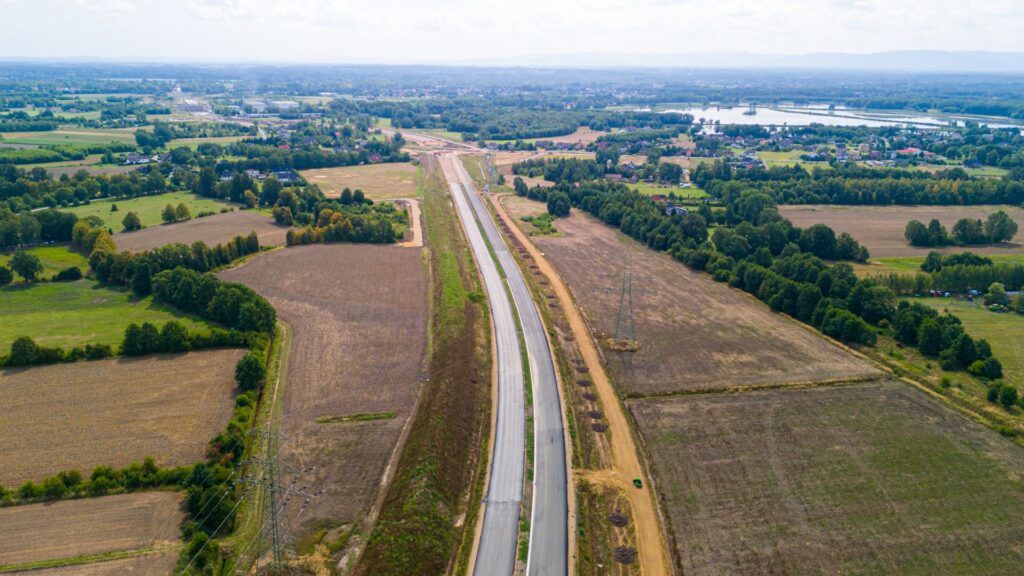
[[113, 412], [90, 526], [880, 228], [693, 333], [213, 230], [358, 315], [872, 478]]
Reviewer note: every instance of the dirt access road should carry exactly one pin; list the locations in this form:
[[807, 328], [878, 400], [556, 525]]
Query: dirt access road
[[625, 462]]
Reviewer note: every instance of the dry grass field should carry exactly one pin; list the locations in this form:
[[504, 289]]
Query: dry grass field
[[358, 315], [212, 230], [377, 181], [694, 334], [156, 564], [865, 479], [113, 412], [91, 526], [880, 228]]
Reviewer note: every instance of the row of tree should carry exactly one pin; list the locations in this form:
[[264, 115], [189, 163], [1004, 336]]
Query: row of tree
[[998, 227], [137, 270]]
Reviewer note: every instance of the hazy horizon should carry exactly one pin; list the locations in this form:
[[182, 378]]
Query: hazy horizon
[[459, 32]]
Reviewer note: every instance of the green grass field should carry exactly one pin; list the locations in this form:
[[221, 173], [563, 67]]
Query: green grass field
[[71, 137], [912, 264], [147, 207], [788, 158], [1004, 331], [652, 189], [76, 313], [195, 142], [53, 258]]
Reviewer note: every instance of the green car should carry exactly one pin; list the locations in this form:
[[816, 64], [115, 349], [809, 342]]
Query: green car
[[638, 483]]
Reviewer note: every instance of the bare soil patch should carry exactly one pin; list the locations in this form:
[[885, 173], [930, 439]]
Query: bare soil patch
[[583, 135], [71, 528], [213, 230], [693, 333], [113, 412], [874, 478], [378, 181], [880, 228], [358, 315]]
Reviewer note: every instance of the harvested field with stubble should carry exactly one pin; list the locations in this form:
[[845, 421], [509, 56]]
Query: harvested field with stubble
[[694, 333], [387, 181], [213, 230], [880, 228], [113, 412], [358, 319], [155, 564], [874, 478], [91, 526]]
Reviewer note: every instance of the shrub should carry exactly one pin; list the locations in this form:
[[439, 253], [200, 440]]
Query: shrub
[[6, 276], [250, 372], [69, 274]]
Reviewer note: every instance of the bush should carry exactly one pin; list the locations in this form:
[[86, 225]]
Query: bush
[[6, 276], [69, 274], [250, 372]]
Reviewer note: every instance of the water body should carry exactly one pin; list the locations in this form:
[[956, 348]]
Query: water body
[[805, 115]]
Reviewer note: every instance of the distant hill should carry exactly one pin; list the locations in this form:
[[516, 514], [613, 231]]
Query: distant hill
[[909, 60]]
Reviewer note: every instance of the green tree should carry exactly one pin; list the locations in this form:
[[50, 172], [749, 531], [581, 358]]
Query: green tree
[[54, 489], [346, 197], [558, 204], [182, 212], [113, 207], [932, 262], [997, 295], [131, 222], [132, 344], [937, 235], [929, 337], [1007, 396], [917, 234], [969, 231], [270, 191], [999, 227], [26, 265], [520, 187], [168, 214], [150, 338], [251, 200], [174, 338], [142, 279], [207, 183], [250, 372], [24, 351], [358, 197], [6, 276]]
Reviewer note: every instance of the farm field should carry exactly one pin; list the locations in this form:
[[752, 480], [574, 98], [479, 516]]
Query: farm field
[[912, 264], [77, 313], [53, 258], [155, 563], [358, 320], [113, 412], [213, 230], [148, 208], [880, 228], [195, 142], [91, 526], [378, 181], [652, 189], [694, 333], [71, 137], [1004, 331], [875, 478]]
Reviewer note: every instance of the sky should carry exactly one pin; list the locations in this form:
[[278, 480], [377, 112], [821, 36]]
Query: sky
[[456, 31]]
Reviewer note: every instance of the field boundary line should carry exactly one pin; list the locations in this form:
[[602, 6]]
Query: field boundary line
[[779, 385]]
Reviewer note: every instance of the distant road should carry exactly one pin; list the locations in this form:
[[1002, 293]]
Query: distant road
[[549, 537]]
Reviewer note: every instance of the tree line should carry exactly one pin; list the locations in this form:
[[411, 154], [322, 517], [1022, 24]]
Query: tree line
[[998, 227]]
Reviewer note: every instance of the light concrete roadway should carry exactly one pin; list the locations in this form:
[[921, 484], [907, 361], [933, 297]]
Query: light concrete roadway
[[549, 537], [496, 553]]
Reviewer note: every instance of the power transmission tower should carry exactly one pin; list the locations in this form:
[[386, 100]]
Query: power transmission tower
[[272, 551]]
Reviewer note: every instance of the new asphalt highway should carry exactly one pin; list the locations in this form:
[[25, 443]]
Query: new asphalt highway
[[549, 537]]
